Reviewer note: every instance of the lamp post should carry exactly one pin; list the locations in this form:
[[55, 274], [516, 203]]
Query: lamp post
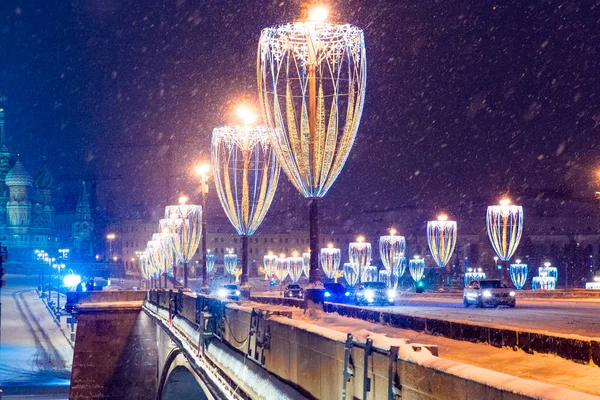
[[110, 237], [203, 171], [246, 175], [59, 267], [312, 79]]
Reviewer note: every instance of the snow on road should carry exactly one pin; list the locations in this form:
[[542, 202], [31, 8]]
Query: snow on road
[[35, 357]]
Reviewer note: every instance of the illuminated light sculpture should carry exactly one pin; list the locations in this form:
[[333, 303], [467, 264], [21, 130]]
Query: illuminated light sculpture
[[518, 274], [280, 268], [312, 79], [210, 263], [188, 236], [370, 273], [158, 259], [546, 279], [504, 225], [306, 263], [294, 267], [385, 276], [416, 266], [230, 261], [330, 261], [246, 174], [473, 274], [350, 274], [543, 283], [269, 263], [359, 253], [391, 250], [441, 238], [170, 230]]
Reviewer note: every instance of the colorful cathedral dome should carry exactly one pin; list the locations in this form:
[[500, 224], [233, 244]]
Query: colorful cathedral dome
[[44, 179], [18, 176]]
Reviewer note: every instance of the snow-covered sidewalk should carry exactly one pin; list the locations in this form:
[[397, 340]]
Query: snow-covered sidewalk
[[35, 357]]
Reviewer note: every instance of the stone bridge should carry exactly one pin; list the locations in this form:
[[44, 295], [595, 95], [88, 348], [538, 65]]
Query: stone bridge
[[172, 345]]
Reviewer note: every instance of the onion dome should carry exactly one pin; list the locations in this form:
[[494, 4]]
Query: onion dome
[[44, 179], [18, 176]]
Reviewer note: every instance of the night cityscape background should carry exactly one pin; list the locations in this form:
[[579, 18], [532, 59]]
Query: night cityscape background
[[107, 111]]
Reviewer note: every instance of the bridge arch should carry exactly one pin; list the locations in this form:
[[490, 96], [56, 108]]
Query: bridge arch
[[179, 380]]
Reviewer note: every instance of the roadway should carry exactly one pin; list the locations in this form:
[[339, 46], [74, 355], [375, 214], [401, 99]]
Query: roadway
[[35, 357], [580, 317]]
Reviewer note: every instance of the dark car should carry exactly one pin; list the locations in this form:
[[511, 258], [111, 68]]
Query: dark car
[[337, 293], [374, 293], [488, 293], [231, 292], [294, 291]]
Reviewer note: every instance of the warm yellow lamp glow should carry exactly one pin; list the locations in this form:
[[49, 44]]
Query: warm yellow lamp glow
[[183, 200], [246, 114], [318, 13]]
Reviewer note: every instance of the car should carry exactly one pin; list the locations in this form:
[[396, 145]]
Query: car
[[374, 293], [229, 292], [337, 293], [488, 293], [294, 291]]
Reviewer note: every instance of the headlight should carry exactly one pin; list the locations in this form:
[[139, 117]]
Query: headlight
[[370, 299], [512, 294], [369, 294], [327, 294], [487, 293], [222, 293], [391, 293], [290, 294], [347, 294], [237, 292]]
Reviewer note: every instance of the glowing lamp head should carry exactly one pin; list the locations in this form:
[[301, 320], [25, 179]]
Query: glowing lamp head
[[360, 239], [518, 261], [505, 202], [183, 200], [246, 114], [295, 254], [281, 255], [330, 245], [318, 13], [547, 264], [392, 231], [270, 253], [111, 236], [442, 217], [202, 169], [417, 257]]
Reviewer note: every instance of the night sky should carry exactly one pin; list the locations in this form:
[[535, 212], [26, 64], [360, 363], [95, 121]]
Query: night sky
[[465, 99]]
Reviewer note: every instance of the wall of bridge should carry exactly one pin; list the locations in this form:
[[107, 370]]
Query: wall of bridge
[[115, 355]]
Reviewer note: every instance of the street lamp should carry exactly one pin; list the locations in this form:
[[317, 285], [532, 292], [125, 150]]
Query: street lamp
[[59, 267], [110, 237], [312, 79], [203, 171], [246, 175]]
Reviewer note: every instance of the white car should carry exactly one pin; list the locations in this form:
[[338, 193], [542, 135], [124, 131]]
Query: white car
[[488, 293]]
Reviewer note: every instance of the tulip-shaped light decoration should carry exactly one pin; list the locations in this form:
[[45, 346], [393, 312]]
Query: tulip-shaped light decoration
[[294, 266], [170, 229], [306, 263], [441, 238], [416, 266], [188, 238], [518, 274], [210, 263], [330, 261], [391, 249], [269, 261], [504, 224], [385, 276], [370, 273], [230, 260], [473, 274], [359, 253], [246, 175], [350, 274], [281, 268], [312, 79]]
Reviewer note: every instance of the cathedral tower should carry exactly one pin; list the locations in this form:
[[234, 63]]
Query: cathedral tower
[[83, 226]]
